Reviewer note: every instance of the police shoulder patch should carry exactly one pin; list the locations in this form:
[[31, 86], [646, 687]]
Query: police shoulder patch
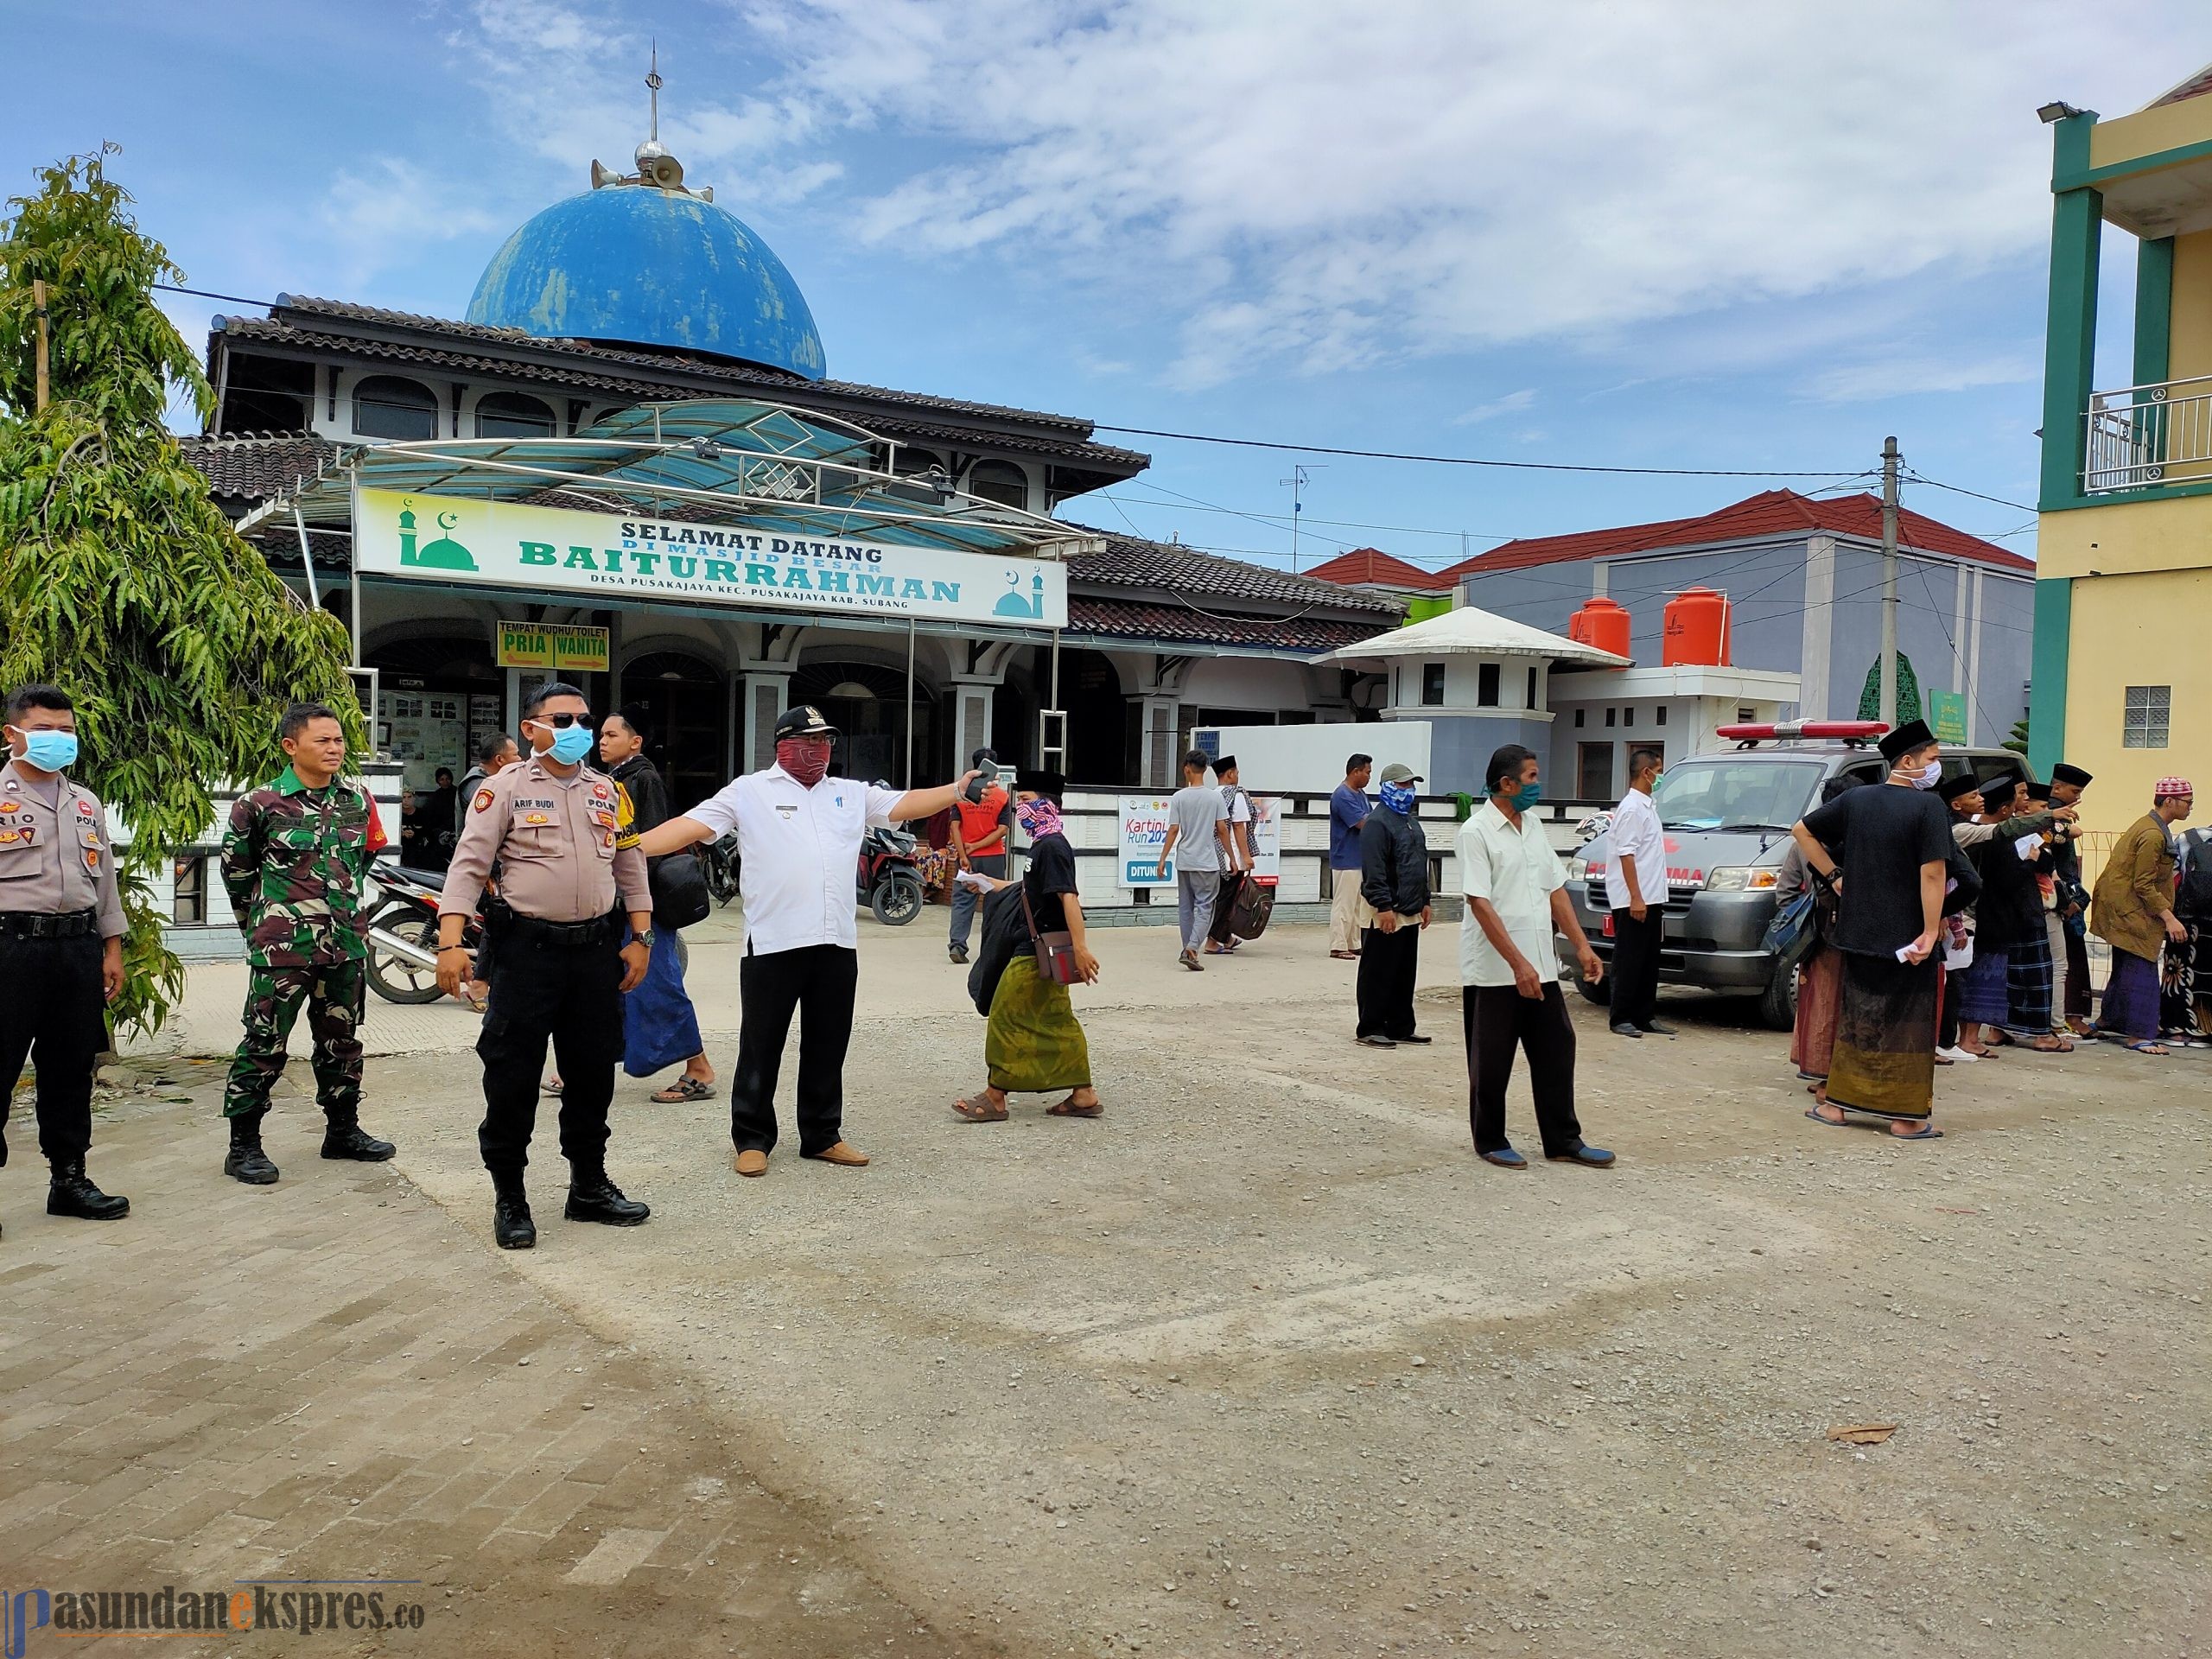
[[483, 799]]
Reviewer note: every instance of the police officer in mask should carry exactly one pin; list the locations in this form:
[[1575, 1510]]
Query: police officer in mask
[[569, 870], [60, 941]]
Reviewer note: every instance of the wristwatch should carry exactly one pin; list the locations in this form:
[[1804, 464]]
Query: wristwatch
[[645, 938]]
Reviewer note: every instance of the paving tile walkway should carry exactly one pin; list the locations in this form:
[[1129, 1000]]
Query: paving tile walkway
[[329, 1380]]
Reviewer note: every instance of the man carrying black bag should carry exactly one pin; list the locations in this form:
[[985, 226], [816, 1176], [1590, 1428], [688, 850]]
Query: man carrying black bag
[[658, 1023]]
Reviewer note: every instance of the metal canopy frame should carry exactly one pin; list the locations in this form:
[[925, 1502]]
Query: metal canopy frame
[[698, 458]]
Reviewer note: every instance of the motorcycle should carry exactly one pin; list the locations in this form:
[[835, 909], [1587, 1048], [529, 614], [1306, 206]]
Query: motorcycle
[[890, 884], [403, 933], [719, 859]]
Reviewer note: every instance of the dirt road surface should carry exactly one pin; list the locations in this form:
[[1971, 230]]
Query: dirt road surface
[[1262, 1363]]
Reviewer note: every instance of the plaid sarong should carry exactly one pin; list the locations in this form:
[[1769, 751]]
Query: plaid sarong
[[2027, 984]]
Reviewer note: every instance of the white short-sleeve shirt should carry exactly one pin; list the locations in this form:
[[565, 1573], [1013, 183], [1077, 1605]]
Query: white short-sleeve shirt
[[801, 851], [1636, 830], [1517, 872]]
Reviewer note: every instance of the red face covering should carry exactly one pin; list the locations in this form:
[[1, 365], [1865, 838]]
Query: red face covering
[[807, 758]]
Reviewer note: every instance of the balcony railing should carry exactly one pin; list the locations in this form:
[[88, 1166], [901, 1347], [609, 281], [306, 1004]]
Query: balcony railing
[[2146, 435]]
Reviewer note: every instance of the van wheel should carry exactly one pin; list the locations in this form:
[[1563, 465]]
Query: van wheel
[[1778, 1002], [1601, 992]]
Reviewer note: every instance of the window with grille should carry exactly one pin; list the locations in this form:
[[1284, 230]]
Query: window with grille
[[189, 893], [385, 406], [511, 415], [1431, 684], [2143, 723]]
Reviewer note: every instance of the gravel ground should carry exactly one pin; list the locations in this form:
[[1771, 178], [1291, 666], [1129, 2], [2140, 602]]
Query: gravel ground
[[1265, 1362]]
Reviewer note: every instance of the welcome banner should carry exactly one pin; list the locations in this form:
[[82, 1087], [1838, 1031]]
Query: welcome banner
[[737, 561]]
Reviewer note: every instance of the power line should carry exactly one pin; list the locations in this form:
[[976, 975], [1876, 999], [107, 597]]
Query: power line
[[1919, 478], [209, 294], [1462, 460]]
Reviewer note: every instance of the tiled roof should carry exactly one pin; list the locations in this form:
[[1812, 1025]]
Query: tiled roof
[[1770, 513], [1171, 568], [318, 325], [1372, 567], [257, 465], [1141, 623], [2195, 87]]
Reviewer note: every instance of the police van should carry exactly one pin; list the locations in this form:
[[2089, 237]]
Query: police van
[[1728, 816]]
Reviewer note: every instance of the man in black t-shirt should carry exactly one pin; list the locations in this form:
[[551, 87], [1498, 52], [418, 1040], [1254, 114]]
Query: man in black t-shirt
[[1892, 844]]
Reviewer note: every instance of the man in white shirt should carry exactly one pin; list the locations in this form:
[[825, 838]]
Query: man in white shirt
[[1635, 892], [1509, 968], [798, 837]]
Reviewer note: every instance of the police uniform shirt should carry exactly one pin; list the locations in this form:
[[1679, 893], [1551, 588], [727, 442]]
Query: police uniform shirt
[[801, 851], [56, 858], [562, 845]]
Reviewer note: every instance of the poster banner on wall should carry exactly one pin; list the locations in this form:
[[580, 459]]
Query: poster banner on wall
[[1947, 715], [1143, 826], [1266, 839]]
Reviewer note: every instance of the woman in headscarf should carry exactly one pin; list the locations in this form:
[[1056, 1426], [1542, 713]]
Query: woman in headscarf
[[1032, 1042]]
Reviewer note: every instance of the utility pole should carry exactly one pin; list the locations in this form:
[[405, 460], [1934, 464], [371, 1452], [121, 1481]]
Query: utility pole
[[1890, 583], [1298, 479]]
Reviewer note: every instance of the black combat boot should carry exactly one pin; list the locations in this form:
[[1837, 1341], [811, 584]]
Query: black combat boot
[[592, 1197], [512, 1226], [246, 1162], [74, 1194], [349, 1140]]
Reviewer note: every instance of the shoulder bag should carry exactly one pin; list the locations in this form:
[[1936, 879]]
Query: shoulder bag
[[1055, 950]]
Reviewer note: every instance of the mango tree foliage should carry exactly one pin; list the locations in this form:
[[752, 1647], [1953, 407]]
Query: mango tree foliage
[[120, 580]]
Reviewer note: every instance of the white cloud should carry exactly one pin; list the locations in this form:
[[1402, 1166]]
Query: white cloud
[[386, 214], [1512, 403], [1304, 181], [1900, 376]]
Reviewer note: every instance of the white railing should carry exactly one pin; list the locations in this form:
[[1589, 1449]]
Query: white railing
[[2143, 435]]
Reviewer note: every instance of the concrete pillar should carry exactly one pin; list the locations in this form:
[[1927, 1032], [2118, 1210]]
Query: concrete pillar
[[767, 690], [1156, 755], [973, 696]]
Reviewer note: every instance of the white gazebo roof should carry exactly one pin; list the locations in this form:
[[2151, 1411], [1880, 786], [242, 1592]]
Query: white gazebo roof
[[1468, 631]]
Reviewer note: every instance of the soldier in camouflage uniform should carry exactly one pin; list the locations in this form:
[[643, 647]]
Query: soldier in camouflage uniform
[[294, 859]]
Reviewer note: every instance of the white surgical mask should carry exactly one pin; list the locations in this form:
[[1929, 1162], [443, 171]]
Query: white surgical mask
[[1928, 776]]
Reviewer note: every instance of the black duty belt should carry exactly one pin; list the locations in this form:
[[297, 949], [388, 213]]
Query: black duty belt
[[528, 929], [39, 924]]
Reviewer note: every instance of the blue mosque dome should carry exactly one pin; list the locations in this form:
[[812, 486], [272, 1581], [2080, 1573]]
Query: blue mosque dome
[[648, 263]]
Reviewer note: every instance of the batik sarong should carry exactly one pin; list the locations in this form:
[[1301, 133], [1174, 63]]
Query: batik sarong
[[1983, 998], [1819, 994], [2178, 985], [1032, 1043], [2027, 984], [2131, 1005], [1884, 1060]]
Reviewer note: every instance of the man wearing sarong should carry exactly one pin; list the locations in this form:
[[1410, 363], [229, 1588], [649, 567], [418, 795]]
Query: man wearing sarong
[[1956, 1039], [2067, 784], [1895, 841], [1820, 976], [2134, 912], [1032, 1042], [2011, 923]]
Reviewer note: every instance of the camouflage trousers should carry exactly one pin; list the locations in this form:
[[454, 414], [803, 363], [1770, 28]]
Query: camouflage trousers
[[332, 994]]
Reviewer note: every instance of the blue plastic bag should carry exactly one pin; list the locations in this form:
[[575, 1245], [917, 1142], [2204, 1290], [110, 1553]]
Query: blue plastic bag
[[659, 1027]]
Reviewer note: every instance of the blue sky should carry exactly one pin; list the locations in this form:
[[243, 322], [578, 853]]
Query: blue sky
[[1691, 234]]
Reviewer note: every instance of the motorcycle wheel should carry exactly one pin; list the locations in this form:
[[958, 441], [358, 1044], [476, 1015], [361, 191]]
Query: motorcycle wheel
[[394, 978], [897, 900]]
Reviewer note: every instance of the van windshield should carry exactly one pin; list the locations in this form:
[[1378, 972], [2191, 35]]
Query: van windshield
[[1719, 792]]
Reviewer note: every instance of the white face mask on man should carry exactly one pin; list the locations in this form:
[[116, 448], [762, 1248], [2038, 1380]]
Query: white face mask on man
[[1928, 776]]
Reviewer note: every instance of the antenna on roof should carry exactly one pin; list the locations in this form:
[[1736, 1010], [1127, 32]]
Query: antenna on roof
[[653, 90]]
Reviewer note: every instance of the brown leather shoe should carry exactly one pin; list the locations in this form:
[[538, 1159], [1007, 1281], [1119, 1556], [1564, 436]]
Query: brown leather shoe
[[753, 1162], [841, 1154]]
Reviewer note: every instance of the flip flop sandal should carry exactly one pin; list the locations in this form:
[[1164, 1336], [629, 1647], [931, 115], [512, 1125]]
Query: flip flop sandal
[[1068, 1109], [979, 1110], [1831, 1122], [2156, 1049], [683, 1089], [1925, 1132]]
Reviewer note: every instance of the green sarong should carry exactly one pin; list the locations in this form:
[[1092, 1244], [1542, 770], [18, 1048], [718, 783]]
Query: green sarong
[[1033, 1044]]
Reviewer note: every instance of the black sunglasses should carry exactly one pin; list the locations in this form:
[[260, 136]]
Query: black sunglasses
[[561, 722]]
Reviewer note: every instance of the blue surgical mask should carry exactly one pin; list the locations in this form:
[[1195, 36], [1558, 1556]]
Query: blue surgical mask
[[1529, 794], [1399, 797], [50, 751], [571, 744]]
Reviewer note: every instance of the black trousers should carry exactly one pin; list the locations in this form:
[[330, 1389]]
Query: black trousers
[[1224, 905], [1388, 963], [1635, 966], [1497, 1018], [53, 1012], [572, 996], [816, 981], [2077, 976]]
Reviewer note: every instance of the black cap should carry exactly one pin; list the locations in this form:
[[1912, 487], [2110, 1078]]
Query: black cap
[[804, 720], [2038, 791], [1225, 763], [1965, 784], [1913, 734], [2063, 773], [1999, 788]]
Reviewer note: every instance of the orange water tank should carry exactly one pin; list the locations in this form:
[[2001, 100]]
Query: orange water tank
[[1600, 623], [1697, 629]]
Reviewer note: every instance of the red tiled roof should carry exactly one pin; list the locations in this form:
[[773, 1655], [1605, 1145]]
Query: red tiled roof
[[1371, 566], [1115, 618], [2195, 87], [1770, 513]]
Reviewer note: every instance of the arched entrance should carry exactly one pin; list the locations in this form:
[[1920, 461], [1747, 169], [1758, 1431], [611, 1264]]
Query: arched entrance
[[680, 702], [868, 702]]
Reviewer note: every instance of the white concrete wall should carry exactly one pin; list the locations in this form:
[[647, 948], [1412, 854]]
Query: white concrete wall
[[1277, 760]]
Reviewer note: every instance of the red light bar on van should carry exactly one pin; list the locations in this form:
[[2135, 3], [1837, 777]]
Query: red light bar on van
[[1851, 730]]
